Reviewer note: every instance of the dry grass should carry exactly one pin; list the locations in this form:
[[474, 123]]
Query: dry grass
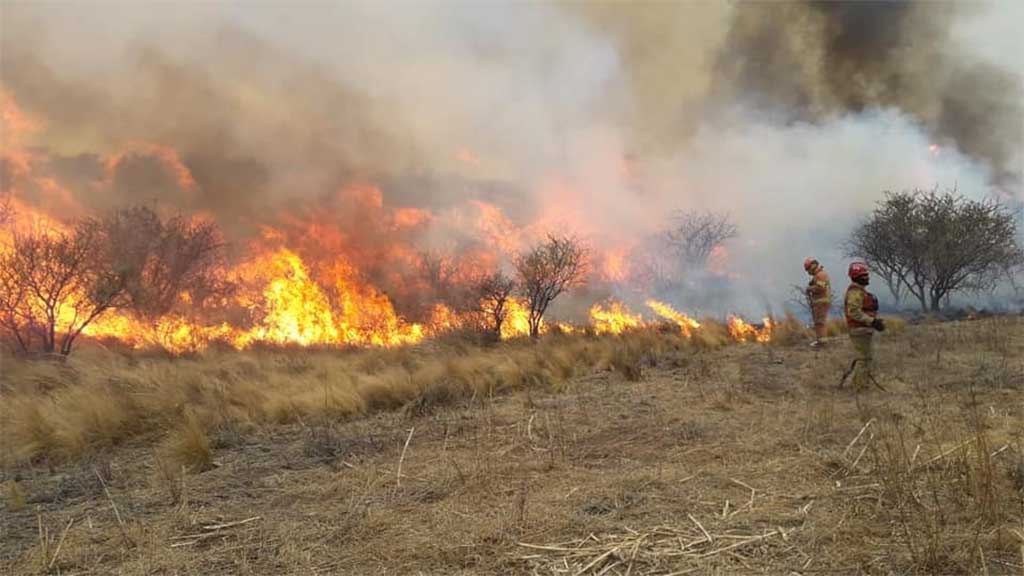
[[57, 412], [641, 454], [188, 446]]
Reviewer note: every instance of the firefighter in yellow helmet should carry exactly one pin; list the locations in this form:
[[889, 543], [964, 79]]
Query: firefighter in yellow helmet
[[819, 297], [861, 310]]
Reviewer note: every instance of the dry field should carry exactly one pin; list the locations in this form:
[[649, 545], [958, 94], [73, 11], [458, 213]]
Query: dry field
[[641, 454]]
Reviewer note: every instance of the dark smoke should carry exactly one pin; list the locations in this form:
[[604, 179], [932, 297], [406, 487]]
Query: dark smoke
[[805, 61]]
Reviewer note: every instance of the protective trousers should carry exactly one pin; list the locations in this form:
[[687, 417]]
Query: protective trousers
[[819, 311], [864, 347]]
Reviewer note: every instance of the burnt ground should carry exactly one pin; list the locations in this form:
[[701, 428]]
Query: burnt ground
[[746, 459]]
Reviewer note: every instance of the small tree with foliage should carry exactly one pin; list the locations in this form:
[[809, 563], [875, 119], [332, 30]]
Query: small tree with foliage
[[930, 244]]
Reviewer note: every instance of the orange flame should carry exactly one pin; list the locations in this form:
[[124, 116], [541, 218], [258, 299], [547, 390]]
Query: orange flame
[[744, 332], [517, 323], [290, 308], [320, 278], [166, 156], [616, 319], [686, 324], [615, 267]]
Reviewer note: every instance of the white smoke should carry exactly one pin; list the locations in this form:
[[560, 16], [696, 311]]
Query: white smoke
[[541, 98]]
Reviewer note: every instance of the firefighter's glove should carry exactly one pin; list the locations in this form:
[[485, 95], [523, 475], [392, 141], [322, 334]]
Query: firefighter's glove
[[878, 324]]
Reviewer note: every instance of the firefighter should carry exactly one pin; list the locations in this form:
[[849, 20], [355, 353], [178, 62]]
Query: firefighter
[[819, 297], [861, 310]]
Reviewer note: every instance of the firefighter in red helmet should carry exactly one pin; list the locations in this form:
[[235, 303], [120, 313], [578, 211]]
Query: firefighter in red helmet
[[861, 310], [819, 297]]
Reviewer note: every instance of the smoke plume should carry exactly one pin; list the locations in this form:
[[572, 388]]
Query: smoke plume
[[456, 128]]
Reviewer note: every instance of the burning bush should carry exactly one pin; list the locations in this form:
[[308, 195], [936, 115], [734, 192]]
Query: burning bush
[[495, 291], [56, 282]]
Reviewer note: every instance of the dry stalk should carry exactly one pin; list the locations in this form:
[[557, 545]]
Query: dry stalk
[[60, 544], [699, 525], [401, 459], [44, 538], [857, 437], [638, 552], [117, 513], [211, 531]]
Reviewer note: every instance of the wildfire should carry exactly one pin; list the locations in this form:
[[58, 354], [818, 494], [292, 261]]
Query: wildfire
[[443, 319], [335, 272], [176, 334], [614, 267], [517, 323], [166, 156], [283, 300], [291, 308], [615, 319], [718, 261], [686, 324], [744, 332]]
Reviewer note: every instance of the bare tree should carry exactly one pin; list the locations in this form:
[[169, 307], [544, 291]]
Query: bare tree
[[164, 261], [800, 299], [889, 242], [494, 291], [548, 270], [694, 235], [441, 273], [54, 283], [932, 244]]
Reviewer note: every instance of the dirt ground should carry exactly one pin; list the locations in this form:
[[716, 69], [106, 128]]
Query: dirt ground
[[746, 459]]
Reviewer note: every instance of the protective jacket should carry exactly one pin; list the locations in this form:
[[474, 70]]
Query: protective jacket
[[819, 291], [861, 308]]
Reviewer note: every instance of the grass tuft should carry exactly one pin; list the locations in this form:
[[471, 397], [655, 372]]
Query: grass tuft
[[189, 445]]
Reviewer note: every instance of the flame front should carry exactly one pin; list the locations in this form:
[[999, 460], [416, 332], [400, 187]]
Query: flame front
[[350, 269], [517, 323], [686, 324], [744, 332], [290, 308], [615, 319]]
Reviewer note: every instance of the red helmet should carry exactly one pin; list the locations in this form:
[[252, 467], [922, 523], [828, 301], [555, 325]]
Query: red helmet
[[858, 269], [810, 264]]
